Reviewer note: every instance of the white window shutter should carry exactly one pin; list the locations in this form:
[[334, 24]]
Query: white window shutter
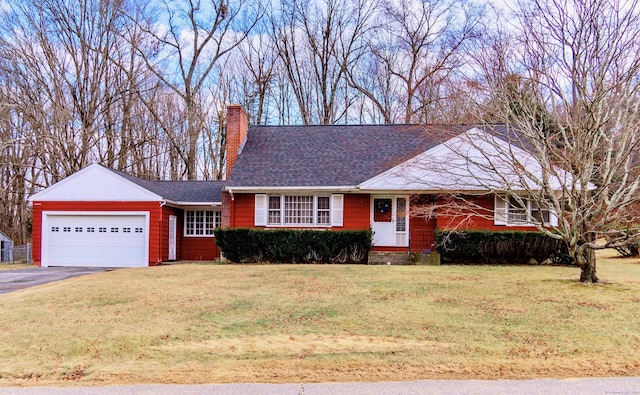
[[337, 210], [553, 218], [500, 208], [260, 218]]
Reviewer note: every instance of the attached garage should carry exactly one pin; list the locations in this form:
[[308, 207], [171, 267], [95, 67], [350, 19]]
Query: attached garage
[[105, 218], [104, 239]]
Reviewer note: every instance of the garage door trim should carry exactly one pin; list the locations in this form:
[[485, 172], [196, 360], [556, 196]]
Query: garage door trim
[[48, 214]]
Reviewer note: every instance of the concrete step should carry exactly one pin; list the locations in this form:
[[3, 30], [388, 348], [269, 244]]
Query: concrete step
[[393, 258], [403, 258]]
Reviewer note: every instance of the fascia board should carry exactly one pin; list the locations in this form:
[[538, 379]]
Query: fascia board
[[267, 189], [42, 195], [443, 168], [179, 204]]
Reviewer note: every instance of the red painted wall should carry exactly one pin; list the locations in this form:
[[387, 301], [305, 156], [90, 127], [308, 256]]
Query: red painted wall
[[483, 220], [357, 216], [163, 245], [155, 215], [422, 233], [200, 249], [187, 248], [242, 210], [356, 211]]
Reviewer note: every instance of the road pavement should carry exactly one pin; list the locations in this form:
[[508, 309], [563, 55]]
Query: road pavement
[[589, 386]]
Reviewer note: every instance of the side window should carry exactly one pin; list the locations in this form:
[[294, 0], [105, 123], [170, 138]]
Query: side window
[[274, 210], [323, 212], [201, 222]]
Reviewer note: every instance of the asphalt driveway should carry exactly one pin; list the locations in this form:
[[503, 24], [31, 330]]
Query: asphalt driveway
[[13, 280], [586, 386]]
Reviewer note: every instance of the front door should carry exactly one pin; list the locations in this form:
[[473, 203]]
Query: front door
[[389, 221], [173, 224]]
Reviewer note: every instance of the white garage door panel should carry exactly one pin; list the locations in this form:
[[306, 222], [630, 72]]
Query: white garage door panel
[[96, 240]]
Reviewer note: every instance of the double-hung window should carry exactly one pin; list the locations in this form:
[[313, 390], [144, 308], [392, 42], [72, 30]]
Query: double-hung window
[[201, 222], [518, 211], [521, 211], [298, 210]]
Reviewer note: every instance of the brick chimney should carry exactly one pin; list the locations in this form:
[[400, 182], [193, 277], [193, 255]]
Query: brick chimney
[[237, 126]]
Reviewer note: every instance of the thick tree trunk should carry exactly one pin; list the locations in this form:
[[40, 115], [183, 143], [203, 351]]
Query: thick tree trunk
[[588, 267]]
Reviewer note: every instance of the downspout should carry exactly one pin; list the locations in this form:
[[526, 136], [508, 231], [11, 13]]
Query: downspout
[[232, 218], [159, 259]]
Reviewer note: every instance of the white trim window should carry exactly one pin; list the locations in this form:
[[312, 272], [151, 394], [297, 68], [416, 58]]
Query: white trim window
[[201, 222], [299, 210], [521, 212]]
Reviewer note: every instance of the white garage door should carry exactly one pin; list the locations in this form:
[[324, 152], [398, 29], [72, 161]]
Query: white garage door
[[103, 240]]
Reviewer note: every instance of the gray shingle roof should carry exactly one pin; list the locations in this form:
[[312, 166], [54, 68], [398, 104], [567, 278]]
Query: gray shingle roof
[[336, 155], [181, 191]]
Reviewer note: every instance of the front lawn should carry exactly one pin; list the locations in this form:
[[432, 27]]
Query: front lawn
[[318, 323]]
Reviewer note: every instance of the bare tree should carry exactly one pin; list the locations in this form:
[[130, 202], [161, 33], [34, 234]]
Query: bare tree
[[198, 35], [317, 43], [573, 123], [417, 48], [259, 58]]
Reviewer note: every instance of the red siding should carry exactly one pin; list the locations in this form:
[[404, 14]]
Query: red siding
[[357, 212], [163, 245], [188, 248], [357, 216], [200, 249], [242, 210], [422, 233], [481, 219], [153, 208]]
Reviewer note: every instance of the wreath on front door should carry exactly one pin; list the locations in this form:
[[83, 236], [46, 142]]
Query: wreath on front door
[[383, 206]]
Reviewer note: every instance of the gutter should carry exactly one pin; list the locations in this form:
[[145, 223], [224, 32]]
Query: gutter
[[193, 204], [266, 189]]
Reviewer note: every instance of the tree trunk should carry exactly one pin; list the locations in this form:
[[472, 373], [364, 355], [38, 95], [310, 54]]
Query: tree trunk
[[588, 267]]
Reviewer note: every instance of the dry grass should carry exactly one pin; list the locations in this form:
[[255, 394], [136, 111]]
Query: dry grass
[[318, 323], [12, 266]]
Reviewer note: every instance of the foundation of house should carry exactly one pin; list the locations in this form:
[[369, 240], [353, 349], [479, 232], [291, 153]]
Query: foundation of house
[[389, 258], [403, 258]]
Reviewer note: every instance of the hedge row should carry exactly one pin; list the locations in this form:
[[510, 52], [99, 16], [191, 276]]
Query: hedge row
[[487, 247], [293, 246]]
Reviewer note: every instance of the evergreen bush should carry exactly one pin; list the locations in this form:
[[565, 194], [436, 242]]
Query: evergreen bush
[[293, 245], [504, 247]]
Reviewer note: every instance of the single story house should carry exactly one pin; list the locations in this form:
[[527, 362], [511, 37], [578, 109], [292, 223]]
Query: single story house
[[368, 176], [333, 177]]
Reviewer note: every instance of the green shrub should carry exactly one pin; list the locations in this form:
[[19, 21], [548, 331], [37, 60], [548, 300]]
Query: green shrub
[[293, 246], [507, 247]]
